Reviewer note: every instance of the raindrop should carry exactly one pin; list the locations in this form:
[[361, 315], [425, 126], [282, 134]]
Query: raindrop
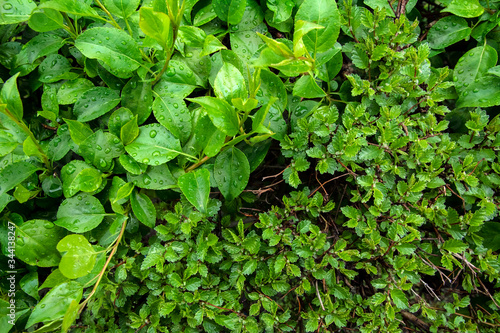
[[42, 305], [107, 150], [7, 6], [176, 105], [476, 91], [124, 42], [103, 163], [460, 71], [79, 197], [20, 241], [147, 180], [70, 169], [156, 153], [98, 147], [152, 134], [48, 225]]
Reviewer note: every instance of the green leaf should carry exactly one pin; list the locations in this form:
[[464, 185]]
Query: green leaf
[[56, 302], [229, 83], [465, 8], [447, 31], [491, 235], [307, 87], [282, 9], [455, 246], [88, 180], [137, 96], [129, 131], [55, 67], [119, 118], [11, 13], [323, 13], [222, 114], [484, 92], [230, 11], [95, 102], [143, 208], [79, 257], [43, 20], [69, 173], [70, 315], [249, 267], [173, 113], [78, 131], [474, 64], [155, 145], [231, 172], [100, 149], [156, 178], [399, 299], [302, 28], [36, 242], [196, 187], [75, 7], [14, 174], [39, 46], [70, 91], [10, 96], [122, 8], [29, 284], [211, 45], [113, 47], [157, 26], [80, 213]]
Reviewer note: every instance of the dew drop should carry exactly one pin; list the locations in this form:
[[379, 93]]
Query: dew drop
[[48, 225], [145, 161], [20, 241], [156, 153], [152, 134], [98, 147], [107, 150], [103, 163]]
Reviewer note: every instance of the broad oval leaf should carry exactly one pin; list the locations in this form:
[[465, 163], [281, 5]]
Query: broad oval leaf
[[122, 8], [14, 174], [43, 20], [55, 67], [100, 148], [155, 178], [10, 96], [230, 11], [39, 46], [155, 145], [196, 188], [70, 91], [137, 96], [36, 242], [157, 26], [69, 173], [173, 113], [54, 305], [448, 31], [324, 13], [473, 65], [11, 13], [222, 114], [80, 213], [95, 102], [231, 172], [465, 8], [143, 208], [75, 7], [113, 47], [484, 92], [79, 257], [229, 83], [119, 118]]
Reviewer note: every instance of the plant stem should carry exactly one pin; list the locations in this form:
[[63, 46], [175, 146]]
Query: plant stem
[[167, 60], [103, 270], [113, 22], [197, 164]]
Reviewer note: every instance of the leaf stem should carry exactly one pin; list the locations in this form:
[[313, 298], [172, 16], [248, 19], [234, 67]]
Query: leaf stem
[[113, 22], [167, 60], [103, 270], [197, 164]]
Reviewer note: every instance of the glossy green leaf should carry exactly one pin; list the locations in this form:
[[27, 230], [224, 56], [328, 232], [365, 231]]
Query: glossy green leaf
[[455, 246], [78, 131], [137, 96], [95, 102], [155, 145], [11, 13], [302, 28], [143, 208], [323, 13], [119, 118], [54, 68], [230, 83], [230, 11], [473, 65], [204, 15], [484, 92], [74, 7], [447, 31], [43, 20], [155, 178], [307, 87], [6, 143], [282, 9], [101, 148], [211, 45], [29, 284], [88, 180], [70, 91], [231, 172], [78, 256], [70, 315], [173, 113], [113, 47], [14, 174], [80, 213], [59, 145], [122, 8], [39, 46], [129, 131], [465, 8], [195, 186], [399, 298], [36, 242], [68, 174], [10, 96], [56, 302], [157, 26], [222, 114], [131, 165]]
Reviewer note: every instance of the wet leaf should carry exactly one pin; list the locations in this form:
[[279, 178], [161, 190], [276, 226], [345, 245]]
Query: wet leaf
[[80, 213], [231, 172], [196, 187], [78, 256], [143, 208]]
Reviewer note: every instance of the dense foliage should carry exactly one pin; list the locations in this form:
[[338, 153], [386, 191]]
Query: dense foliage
[[249, 166]]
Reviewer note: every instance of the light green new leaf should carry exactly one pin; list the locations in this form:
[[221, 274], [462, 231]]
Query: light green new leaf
[[222, 114], [69, 173], [155, 145], [211, 45], [230, 11], [36, 242], [196, 187], [79, 258], [75, 7], [43, 20], [472, 65], [157, 26], [122, 8], [484, 92], [307, 87], [15, 12], [129, 131], [229, 83], [95, 102], [80, 213], [88, 180], [465, 8], [78, 131], [447, 31], [70, 315], [324, 13], [10, 96], [302, 28], [119, 118], [455, 246], [399, 299], [115, 48], [14, 174], [231, 172], [55, 304], [143, 208]]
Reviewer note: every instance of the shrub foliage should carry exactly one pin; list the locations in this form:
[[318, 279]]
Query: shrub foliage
[[250, 166]]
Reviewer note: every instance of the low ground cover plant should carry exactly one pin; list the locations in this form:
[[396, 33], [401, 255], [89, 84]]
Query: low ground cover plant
[[249, 166]]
